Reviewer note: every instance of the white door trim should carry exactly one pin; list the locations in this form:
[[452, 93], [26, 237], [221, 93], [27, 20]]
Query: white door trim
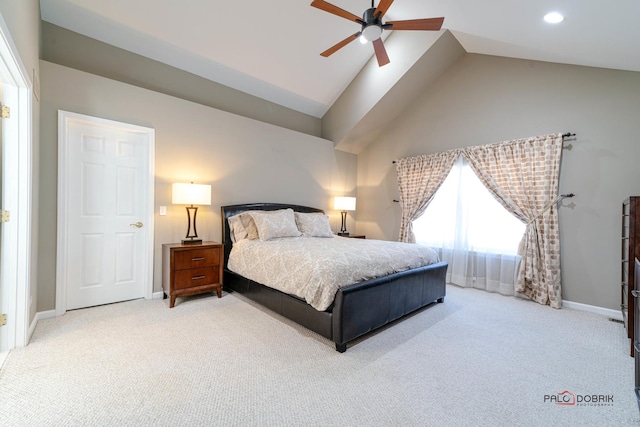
[[16, 237], [64, 118]]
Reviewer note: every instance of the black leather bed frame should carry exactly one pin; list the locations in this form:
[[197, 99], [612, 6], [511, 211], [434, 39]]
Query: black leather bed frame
[[357, 309]]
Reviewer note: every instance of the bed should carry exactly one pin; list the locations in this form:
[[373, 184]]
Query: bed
[[357, 308]]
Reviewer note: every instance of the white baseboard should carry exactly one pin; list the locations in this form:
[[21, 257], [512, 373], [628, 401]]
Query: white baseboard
[[614, 314], [41, 315], [158, 295]]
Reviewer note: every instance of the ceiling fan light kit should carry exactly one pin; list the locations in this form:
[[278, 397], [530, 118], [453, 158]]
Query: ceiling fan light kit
[[372, 26], [371, 32]]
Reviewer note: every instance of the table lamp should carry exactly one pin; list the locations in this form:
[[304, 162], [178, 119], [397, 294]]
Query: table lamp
[[344, 204], [191, 194]]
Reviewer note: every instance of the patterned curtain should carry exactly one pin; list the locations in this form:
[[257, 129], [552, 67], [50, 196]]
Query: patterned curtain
[[523, 175], [419, 178]]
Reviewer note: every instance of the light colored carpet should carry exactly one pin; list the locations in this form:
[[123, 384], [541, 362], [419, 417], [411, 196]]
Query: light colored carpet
[[479, 359]]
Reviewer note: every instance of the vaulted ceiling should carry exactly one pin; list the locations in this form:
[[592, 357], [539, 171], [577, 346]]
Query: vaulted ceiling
[[270, 49]]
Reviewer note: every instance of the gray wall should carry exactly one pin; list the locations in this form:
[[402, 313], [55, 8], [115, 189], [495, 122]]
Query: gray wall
[[377, 95], [485, 99], [479, 100], [74, 50], [23, 21], [244, 160]]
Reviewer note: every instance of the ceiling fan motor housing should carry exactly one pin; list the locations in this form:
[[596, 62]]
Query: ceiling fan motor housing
[[372, 27]]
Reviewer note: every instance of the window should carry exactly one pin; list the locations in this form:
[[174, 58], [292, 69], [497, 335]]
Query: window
[[472, 232], [464, 214]]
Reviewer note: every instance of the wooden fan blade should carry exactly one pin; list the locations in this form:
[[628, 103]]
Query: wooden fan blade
[[429, 24], [381, 52], [382, 8], [328, 7], [340, 45]]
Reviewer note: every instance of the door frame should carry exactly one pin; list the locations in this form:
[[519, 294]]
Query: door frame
[[64, 118], [16, 250]]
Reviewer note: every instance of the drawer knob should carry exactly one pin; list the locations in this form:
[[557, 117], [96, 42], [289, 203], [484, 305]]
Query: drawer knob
[[198, 277], [198, 259]]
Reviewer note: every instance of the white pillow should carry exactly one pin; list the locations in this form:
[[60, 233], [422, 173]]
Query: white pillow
[[314, 224], [275, 224]]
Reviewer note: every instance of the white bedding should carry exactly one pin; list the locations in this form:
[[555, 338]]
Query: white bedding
[[314, 268]]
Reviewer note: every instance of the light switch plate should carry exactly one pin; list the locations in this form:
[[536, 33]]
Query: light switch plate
[[163, 210]]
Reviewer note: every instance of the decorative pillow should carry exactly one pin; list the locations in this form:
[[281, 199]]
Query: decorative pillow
[[313, 224], [275, 224], [249, 225], [237, 230]]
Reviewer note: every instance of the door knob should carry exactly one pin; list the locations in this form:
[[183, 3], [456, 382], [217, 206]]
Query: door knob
[[137, 225]]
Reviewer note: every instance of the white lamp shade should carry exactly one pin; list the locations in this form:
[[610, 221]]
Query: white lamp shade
[[191, 194], [344, 203]]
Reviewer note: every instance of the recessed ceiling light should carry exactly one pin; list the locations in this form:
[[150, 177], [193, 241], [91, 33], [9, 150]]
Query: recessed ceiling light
[[553, 18]]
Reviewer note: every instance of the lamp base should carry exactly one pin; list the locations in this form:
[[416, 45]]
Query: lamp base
[[343, 229], [191, 241]]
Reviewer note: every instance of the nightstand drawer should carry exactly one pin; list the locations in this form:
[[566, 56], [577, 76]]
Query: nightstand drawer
[[206, 257], [196, 277]]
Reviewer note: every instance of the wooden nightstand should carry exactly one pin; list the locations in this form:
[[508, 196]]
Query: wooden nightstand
[[191, 269]]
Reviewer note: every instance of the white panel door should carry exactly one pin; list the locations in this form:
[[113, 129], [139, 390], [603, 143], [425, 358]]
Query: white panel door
[[17, 196], [108, 214]]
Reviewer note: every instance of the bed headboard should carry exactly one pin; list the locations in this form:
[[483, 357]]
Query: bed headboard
[[232, 210]]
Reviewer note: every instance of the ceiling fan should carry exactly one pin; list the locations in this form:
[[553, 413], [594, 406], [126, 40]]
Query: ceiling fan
[[372, 26]]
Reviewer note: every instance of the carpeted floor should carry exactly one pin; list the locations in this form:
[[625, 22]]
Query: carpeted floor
[[479, 359]]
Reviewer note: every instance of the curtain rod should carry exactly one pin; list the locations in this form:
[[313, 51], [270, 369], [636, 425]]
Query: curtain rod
[[560, 197], [564, 135]]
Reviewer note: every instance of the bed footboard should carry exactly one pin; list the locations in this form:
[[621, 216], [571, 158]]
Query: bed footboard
[[364, 307]]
